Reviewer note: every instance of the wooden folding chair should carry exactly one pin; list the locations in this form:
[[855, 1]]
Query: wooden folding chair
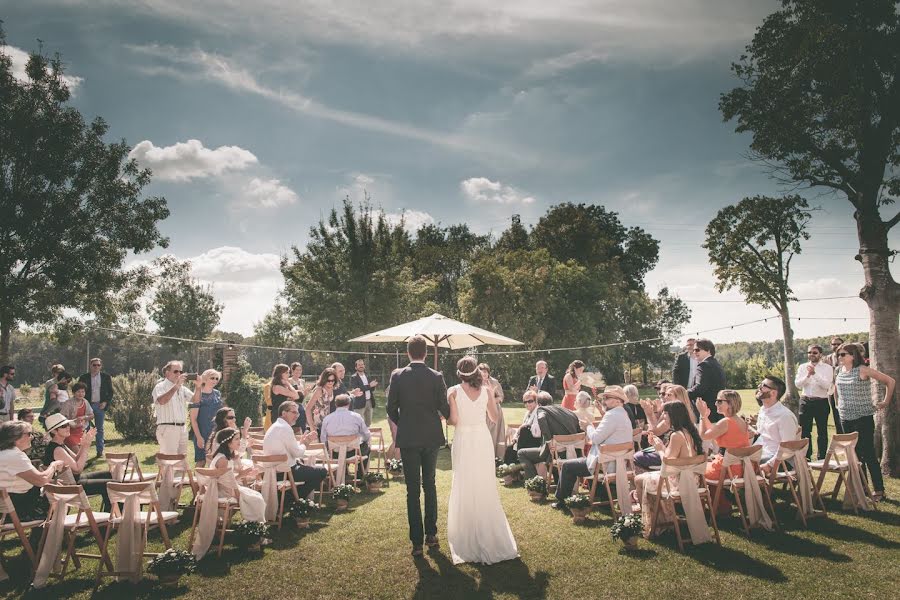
[[267, 405], [841, 459], [177, 466], [257, 435], [623, 454], [143, 494], [664, 493], [9, 522], [749, 457], [793, 478], [227, 507], [377, 451], [256, 430], [61, 499], [511, 430], [562, 448], [125, 467], [337, 467], [270, 466]]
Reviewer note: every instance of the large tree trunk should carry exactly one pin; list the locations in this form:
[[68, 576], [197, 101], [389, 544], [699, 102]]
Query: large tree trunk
[[791, 399], [5, 332], [882, 294]]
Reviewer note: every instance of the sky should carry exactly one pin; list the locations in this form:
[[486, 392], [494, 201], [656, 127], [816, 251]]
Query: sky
[[257, 118]]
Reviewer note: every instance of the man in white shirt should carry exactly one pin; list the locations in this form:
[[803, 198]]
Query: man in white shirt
[[614, 428], [280, 439], [814, 379], [775, 422], [170, 400]]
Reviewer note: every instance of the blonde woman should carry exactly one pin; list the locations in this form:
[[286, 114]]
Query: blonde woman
[[730, 431], [206, 402]]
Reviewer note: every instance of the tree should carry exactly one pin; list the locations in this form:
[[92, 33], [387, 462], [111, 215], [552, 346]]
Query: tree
[[751, 245], [443, 254], [659, 319], [181, 306], [515, 237], [820, 94], [71, 206]]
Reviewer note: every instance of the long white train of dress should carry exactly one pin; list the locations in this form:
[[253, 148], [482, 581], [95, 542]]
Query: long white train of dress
[[477, 529]]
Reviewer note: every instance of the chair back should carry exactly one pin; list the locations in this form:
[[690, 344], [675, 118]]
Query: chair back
[[208, 480], [123, 466], [169, 490], [795, 452], [61, 498], [623, 457], [568, 445], [269, 465], [342, 444], [131, 533], [749, 457], [689, 473], [857, 494]]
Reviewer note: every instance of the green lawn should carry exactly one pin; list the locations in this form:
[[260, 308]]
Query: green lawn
[[364, 553]]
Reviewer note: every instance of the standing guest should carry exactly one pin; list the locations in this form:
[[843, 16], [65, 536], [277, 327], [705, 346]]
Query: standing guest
[[296, 380], [615, 428], [685, 368], [730, 431], [280, 439], [496, 428], [710, 377], [321, 400], [206, 403], [365, 402], [572, 383], [542, 381], [339, 388], [282, 391], [58, 427], [549, 420], [7, 393], [227, 460], [523, 438], [100, 395], [18, 476], [775, 422], [224, 419], [832, 360], [854, 390], [170, 401], [814, 378], [55, 395], [633, 406], [80, 412]]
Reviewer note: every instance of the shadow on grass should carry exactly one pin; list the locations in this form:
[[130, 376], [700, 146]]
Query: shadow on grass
[[729, 560], [510, 577], [839, 531]]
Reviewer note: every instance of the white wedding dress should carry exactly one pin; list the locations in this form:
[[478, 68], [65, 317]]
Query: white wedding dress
[[477, 529]]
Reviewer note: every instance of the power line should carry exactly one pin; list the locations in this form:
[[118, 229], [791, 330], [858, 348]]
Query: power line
[[795, 300]]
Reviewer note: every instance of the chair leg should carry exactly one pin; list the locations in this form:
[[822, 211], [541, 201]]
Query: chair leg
[[677, 523], [800, 510], [609, 496], [226, 519], [197, 506], [737, 497], [768, 498]]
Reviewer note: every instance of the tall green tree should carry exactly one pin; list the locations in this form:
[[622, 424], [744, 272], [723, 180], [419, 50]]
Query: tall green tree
[[751, 245], [443, 254], [71, 207], [820, 95], [181, 306]]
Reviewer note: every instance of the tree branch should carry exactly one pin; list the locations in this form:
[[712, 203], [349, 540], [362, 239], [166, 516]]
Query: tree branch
[[892, 222]]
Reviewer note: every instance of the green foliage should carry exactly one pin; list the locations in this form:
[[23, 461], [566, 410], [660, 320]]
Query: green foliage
[[25, 390], [244, 393], [247, 533], [132, 411], [627, 526], [172, 562], [71, 205], [536, 484], [181, 307]]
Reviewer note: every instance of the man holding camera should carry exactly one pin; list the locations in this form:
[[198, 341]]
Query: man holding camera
[[170, 400]]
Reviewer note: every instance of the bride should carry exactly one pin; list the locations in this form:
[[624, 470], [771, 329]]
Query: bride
[[477, 530]]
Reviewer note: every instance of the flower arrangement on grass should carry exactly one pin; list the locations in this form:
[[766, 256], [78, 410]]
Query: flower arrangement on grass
[[373, 480], [627, 528], [249, 534], [536, 487], [341, 494], [395, 465], [172, 564], [509, 473], [579, 505], [304, 507]]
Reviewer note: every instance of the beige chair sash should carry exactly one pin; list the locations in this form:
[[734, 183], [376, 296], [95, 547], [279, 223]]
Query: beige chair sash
[[131, 537], [169, 493], [269, 489], [623, 489], [117, 467], [690, 498], [209, 513], [756, 510], [49, 560], [803, 475], [855, 493], [341, 448]]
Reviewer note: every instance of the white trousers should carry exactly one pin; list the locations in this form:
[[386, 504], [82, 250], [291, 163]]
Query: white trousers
[[172, 439]]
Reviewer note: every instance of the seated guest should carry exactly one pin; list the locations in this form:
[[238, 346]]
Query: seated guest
[[79, 411], [684, 442], [633, 406], [731, 431], [584, 408], [252, 503], [280, 439], [775, 423], [59, 428], [549, 420], [344, 421], [224, 419], [522, 437], [18, 476], [615, 428], [25, 414]]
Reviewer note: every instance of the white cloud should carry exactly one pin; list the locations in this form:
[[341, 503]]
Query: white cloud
[[412, 219], [19, 60], [233, 264], [266, 193], [191, 159], [483, 190]]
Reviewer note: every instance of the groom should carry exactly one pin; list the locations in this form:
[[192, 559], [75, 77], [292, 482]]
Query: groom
[[416, 401]]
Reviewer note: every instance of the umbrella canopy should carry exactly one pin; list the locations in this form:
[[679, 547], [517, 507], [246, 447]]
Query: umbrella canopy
[[441, 332]]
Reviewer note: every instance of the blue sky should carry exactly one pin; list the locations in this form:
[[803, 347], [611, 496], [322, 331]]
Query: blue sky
[[259, 117]]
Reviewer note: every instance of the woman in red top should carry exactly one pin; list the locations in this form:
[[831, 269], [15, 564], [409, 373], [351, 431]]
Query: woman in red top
[[571, 384], [79, 410]]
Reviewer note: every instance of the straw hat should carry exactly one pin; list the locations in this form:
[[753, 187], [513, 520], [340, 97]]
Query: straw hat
[[55, 421]]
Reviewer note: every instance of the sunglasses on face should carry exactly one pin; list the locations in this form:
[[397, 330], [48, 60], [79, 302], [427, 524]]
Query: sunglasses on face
[[843, 354], [696, 350], [528, 401], [98, 365], [720, 401], [230, 418], [763, 386], [330, 380], [177, 372]]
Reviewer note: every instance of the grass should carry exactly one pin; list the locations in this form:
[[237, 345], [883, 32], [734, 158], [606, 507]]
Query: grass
[[364, 553]]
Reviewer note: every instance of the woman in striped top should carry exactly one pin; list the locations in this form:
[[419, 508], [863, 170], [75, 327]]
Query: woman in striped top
[[854, 391]]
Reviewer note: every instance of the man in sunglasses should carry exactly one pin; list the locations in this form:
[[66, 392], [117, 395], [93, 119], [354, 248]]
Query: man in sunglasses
[[710, 377], [814, 379], [100, 395], [833, 361], [775, 422], [170, 400], [523, 437]]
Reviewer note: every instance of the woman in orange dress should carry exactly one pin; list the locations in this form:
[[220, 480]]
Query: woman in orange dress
[[571, 384], [730, 432]]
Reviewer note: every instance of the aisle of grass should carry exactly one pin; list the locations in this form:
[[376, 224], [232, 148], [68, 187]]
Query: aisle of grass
[[364, 553]]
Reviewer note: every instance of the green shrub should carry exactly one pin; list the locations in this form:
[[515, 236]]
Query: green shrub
[[244, 393], [132, 409], [25, 391]]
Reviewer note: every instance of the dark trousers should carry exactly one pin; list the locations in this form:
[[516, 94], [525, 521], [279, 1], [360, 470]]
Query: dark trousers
[[419, 466], [571, 471], [312, 478], [838, 428], [865, 448], [814, 409], [99, 418], [94, 484]]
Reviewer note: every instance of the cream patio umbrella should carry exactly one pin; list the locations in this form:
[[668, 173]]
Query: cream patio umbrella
[[441, 332]]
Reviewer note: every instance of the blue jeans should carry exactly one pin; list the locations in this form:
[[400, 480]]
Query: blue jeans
[[99, 416]]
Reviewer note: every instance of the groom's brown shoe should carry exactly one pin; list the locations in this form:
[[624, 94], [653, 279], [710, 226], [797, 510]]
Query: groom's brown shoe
[[417, 550], [432, 541]]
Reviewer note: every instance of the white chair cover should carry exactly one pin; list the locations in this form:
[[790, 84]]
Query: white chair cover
[[690, 498], [117, 467], [269, 488], [209, 513], [341, 448], [803, 475], [169, 493], [623, 489], [854, 493], [56, 528], [131, 536], [757, 515]]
